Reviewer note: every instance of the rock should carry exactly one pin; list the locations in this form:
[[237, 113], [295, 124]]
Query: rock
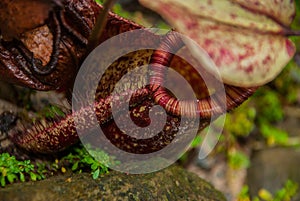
[[173, 183], [271, 168], [291, 121]]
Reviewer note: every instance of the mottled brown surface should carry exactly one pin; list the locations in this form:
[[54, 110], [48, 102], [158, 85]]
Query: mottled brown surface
[[72, 51], [18, 16], [39, 41], [169, 184]]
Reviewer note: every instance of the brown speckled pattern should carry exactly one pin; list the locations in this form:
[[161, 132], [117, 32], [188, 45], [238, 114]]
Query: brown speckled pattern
[[49, 137]]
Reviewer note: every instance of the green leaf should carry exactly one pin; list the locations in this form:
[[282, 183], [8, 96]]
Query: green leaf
[[33, 176], [11, 178], [75, 166], [94, 166], [2, 181], [89, 160], [22, 177], [4, 171], [96, 174]]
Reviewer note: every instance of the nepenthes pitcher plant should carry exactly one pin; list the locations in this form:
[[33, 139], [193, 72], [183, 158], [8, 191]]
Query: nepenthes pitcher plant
[[45, 51]]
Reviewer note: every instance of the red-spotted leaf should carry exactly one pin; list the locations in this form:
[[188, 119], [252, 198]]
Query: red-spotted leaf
[[246, 43], [282, 11]]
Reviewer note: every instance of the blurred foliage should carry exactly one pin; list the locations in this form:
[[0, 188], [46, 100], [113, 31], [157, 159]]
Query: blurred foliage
[[254, 124], [268, 105], [240, 122], [284, 194], [255, 121], [273, 135], [237, 159]]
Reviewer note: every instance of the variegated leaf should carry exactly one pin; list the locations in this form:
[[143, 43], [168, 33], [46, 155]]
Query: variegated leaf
[[248, 48]]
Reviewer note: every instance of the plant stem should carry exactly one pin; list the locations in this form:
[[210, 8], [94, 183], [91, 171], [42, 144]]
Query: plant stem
[[100, 25], [289, 32]]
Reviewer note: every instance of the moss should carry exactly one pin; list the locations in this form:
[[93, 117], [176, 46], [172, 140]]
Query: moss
[[172, 183]]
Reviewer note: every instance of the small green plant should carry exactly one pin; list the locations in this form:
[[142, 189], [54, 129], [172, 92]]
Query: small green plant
[[80, 159], [286, 193], [12, 170]]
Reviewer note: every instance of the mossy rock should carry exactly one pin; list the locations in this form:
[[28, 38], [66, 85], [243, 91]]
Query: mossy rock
[[173, 183]]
